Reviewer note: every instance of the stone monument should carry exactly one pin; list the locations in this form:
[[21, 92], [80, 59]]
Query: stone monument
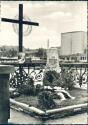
[[53, 59]]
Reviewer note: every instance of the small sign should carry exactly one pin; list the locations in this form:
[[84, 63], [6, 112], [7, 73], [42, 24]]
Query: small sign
[[77, 109]]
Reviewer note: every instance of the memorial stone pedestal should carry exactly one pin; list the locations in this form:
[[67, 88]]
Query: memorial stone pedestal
[[53, 59], [5, 71]]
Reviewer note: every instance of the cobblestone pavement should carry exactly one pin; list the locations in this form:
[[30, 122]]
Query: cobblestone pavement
[[21, 118]]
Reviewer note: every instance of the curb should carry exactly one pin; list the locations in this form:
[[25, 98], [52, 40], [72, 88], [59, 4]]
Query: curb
[[60, 112], [25, 108]]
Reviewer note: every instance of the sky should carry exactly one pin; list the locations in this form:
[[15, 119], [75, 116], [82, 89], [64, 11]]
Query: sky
[[54, 18]]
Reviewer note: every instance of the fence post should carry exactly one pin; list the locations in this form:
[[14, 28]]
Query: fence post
[[5, 71]]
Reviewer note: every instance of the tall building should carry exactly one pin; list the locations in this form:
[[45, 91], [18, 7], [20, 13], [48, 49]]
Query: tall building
[[73, 43]]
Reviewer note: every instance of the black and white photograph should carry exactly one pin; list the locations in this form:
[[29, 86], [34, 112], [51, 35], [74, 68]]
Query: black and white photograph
[[43, 62]]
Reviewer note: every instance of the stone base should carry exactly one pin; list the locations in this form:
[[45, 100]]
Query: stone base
[[4, 121]]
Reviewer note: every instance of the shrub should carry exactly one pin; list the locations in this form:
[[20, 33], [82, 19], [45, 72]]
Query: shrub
[[38, 89], [45, 100], [51, 78], [67, 79], [27, 88], [22, 82], [63, 79]]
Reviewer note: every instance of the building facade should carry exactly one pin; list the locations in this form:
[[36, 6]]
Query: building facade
[[73, 42], [74, 46]]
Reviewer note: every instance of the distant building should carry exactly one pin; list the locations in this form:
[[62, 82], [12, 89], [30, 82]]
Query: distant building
[[73, 42], [74, 46]]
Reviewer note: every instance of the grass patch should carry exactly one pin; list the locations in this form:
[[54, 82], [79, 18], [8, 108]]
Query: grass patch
[[30, 100], [79, 94]]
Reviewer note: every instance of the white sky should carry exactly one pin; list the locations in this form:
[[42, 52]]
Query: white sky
[[54, 18]]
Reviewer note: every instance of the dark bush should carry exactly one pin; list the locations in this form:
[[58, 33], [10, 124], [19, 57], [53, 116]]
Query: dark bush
[[27, 88], [45, 100], [38, 89], [51, 78], [21, 81], [67, 79], [63, 79]]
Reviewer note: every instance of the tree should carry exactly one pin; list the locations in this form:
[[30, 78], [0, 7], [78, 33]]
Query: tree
[[41, 53], [12, 53]]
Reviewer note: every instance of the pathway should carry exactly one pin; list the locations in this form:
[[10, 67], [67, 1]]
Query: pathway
[[21, 118]]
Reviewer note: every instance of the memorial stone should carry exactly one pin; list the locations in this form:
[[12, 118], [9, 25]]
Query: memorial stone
[[53, 59]]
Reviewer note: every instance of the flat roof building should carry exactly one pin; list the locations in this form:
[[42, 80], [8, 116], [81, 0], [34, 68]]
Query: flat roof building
[[73, 42]]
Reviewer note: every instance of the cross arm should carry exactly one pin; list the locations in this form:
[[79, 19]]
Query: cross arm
[[30, 23], [18, 21], [9, 20]]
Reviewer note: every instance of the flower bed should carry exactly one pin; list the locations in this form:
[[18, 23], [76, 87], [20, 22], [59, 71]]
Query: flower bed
[[80, 97]]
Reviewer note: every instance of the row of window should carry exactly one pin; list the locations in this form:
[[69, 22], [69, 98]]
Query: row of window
[[83, 58], [75, 58]]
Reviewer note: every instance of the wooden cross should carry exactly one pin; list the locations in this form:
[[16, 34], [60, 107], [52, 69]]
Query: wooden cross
[[20, 21]]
